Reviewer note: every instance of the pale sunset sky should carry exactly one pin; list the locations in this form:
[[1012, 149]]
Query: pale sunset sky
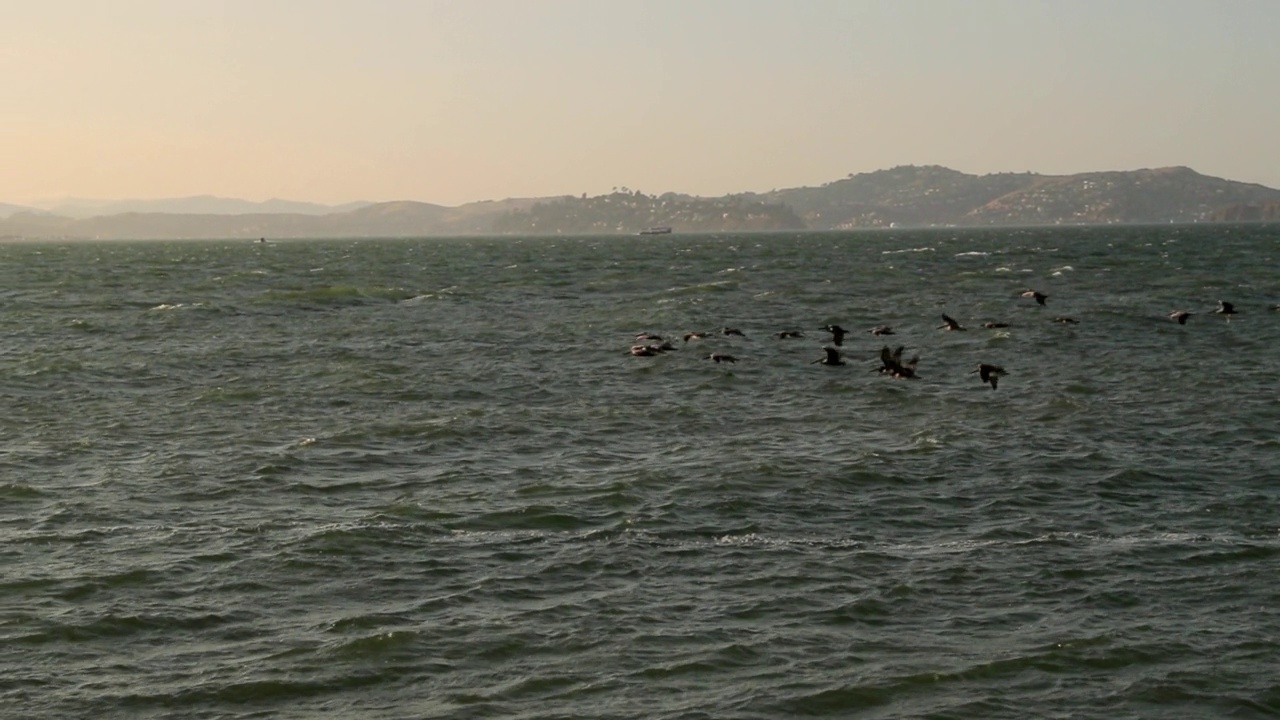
[[453, 101]]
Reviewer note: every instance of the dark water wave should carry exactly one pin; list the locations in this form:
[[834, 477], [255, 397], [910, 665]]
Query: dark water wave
[[388, 479]]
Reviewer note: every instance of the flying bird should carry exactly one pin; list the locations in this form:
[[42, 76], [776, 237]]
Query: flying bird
[[1225, 309], [881, 330], [832, 357], [837, 333], [722, 358], [891, 363], [950, 323], [990, 373], [732, 331], [783, 335], [1039, 296], [1180, 315]]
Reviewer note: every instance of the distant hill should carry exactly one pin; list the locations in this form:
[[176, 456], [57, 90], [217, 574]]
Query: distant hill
[[630, 212], [1263, 212], [912, 196], [195, 205], [390, 219], [6, 210], [907, 196]]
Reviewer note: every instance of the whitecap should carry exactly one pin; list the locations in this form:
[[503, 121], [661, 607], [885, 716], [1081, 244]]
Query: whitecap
[[907, 250]]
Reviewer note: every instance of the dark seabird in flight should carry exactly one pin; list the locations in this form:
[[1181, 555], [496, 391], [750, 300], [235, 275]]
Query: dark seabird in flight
[[891, 363], [648, 336], [994, 325], [1180, 315], [1039, 296], [990, 373], [881, 330], [694, 336], [722, 358], [1066, 320], [652, 349], [832, 357], [1225, 309], [837, 333], [732, 331], [950, 323], [783, 335]]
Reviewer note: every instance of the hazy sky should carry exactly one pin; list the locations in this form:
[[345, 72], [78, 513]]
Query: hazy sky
[[450, 101]]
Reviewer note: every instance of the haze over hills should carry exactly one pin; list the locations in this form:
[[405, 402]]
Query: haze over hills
[[906, 196], [7, 209], [195, 205]]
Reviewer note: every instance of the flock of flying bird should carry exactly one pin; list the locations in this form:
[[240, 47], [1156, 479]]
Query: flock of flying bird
[[891, 362]]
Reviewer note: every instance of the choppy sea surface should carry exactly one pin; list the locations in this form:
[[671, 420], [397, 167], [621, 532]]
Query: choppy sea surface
[[427, 479]]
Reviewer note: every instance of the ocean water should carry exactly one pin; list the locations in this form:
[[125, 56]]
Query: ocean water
[[426, 478]]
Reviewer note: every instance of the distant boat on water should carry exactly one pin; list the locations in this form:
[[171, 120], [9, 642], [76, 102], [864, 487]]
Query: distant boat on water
[[663, 230]]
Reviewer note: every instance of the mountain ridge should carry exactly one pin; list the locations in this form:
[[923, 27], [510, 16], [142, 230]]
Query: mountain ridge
[[903, 196], [188, 205]]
